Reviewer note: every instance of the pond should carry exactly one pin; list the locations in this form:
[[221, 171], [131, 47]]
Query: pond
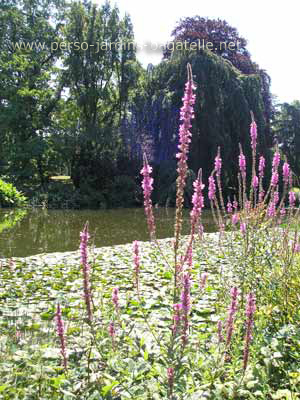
[[44, 231]]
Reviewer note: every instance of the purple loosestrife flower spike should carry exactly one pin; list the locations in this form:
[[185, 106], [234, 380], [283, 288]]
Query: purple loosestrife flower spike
[[274, 179], [255, 182], [147, 189], [282, 212], [296, 248], [176, 318], [111, 329], [235, 205], [220, 335], [235, 218], [276, 197], [286, 173], [115, 298], [292, 199], [242, 164], [136, 260], [243, 227], [232, 310], [186, 306], [261, 166], [186, 116], [218, 163], [276, 160], [211, 188], [229, 207], [84, 235], [60, 332], [198, 202], [253, 133], [250, 310], [271, 210]]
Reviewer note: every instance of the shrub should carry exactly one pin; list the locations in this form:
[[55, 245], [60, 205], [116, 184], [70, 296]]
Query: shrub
[[10, 196]]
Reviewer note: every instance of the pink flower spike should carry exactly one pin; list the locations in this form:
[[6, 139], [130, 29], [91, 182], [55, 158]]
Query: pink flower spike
[[111, 329], [229, 207], [292, 199], [286, 173], [61, 334], [261, 166], [136, 260], [176, 318], [282, 212], [84, 236], [147, 189], [250, 310], [235, 219], [211, 188], [218, 163], [242, 164], [276, 160], [274, 179], [255, 182], [243, 227], [220, 335], [253, 133], [276, 197], [231, 313], [198, 201], [115, 298], [297, 248], [271, 210]]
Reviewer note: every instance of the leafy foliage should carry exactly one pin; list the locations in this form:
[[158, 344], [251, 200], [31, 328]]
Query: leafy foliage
[[10, 196], [29, 87], [287, 132]]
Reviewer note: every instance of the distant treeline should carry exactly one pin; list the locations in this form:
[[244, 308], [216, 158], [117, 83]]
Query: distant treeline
[[91, 112]]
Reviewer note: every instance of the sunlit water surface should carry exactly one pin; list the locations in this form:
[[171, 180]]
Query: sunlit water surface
[[46, 231]]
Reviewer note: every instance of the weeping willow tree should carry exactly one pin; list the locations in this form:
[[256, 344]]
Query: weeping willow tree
[[224, 99]]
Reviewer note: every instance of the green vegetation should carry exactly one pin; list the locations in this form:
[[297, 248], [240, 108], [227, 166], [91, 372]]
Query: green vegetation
[[10, 218], [10, 196], [90, 113], [213, 317]]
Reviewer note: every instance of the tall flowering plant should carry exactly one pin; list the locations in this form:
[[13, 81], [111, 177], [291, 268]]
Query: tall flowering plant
[[60, 329], [84, 236], [186, 116]]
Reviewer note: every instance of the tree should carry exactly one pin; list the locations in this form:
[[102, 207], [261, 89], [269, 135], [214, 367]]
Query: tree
[[228, 44], [286, 128], [225, 39], [224, 99], [28, 86], [100, 72]]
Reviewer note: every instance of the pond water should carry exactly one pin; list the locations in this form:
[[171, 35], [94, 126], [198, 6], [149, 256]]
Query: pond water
[[44, 231]]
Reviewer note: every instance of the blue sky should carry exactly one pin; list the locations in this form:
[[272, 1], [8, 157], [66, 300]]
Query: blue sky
[[271, 29]]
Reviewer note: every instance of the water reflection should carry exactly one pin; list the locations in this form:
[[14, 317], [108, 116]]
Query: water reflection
[[58, 230]]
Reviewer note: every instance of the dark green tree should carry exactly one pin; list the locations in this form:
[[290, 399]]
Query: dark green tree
[[286, 126], [29, 87], [224, 99], [224, 41], [100, 72]]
